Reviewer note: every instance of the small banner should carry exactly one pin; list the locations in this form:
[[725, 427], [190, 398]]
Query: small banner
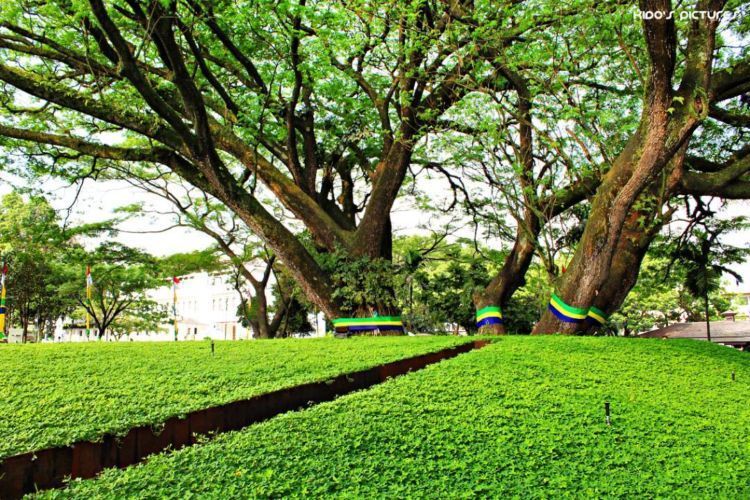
[[175, 282], [490, 315], [383, 323], [89, 284], [564, 312], [2, 302]]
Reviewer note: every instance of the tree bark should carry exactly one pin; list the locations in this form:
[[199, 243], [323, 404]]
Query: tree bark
[[371, 240], [25, 334], [278, 318], [512, 274], [666, 125], [261, 322], [639, 231], [623, 274]]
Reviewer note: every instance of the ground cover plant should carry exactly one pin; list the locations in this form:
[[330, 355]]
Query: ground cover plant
[[55, 394], [522, 417]]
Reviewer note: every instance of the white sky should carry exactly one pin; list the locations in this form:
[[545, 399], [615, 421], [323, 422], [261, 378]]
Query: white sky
[[98, 200]]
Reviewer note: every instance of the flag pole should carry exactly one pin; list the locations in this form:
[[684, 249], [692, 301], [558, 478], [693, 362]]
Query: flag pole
[[175, 281], [2, 301], [88, 301]]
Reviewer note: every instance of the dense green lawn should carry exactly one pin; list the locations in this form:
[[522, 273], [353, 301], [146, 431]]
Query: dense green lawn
[[54, 394], [523, 417]]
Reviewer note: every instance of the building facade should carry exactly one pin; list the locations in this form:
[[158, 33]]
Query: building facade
[[741, 303], [207, 306]]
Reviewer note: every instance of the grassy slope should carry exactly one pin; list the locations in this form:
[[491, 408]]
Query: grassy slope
[[522, 417], [56, 394]]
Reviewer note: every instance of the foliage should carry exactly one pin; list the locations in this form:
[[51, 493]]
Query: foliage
[[659, 298], [526, 305], [436, 289], [180, 264], [671, 287], [706, 257], [122, 277], [435, 280], [306, 99], [363, 286], [296, 319], [522, 415], [446, 295], [247, 311], [35, 246], [297, 309], [63, 393], [47, 270], [148, 318]]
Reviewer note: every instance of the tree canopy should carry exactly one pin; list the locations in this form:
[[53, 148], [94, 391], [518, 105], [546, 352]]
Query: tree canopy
[[568, 133]]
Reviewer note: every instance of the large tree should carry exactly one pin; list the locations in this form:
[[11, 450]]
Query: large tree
[[522, 155], [121, 280], [329, 103], [323, 102], [32, 245], [679, 89], [561, 126]]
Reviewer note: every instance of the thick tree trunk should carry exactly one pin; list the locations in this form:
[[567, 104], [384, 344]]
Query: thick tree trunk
[[666, 125], [484, 327], [639, 231], [623, 273], [371, 235], [260, 325], [589, 268], [255, 329], [512, 276]]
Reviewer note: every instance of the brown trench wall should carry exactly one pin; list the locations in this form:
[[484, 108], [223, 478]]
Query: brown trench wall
[[48, 468]]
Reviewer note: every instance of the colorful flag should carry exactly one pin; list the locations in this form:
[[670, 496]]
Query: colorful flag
[[2, 301], [175, 282], [89, 284]]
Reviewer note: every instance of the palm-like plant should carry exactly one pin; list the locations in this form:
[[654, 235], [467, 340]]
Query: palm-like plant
[[706, 258]]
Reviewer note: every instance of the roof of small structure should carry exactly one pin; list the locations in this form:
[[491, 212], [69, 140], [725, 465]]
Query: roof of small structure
[[722, 332]]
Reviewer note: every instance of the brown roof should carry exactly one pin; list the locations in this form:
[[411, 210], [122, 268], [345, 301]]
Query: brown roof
[[722, 332]]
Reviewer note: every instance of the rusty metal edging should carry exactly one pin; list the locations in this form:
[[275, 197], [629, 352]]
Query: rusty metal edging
[[48, 468]]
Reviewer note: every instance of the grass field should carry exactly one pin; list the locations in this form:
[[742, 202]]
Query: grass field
[[523, 417], [55, 394]]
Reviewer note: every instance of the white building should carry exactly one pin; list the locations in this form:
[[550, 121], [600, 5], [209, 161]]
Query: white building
[[741, 302], [207, 307]]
